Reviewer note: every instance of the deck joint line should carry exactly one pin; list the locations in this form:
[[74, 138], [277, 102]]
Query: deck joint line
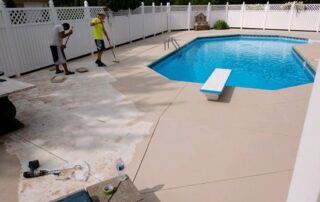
[[155, 128]]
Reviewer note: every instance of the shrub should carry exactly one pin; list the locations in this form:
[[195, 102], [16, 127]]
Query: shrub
[[220, 24]]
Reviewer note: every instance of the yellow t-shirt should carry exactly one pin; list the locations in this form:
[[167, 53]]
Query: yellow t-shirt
[[97, 29]]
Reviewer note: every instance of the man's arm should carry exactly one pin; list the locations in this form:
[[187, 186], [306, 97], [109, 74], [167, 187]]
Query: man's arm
[[96, 22], [64, 35]]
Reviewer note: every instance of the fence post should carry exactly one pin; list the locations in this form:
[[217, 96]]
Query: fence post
[[208, 13], [154, 18], [53, 12], [189, 16], [142, 13], [291, 15], [242, 14], [227, 11], [87, 18], [12, 46], [129, 19], [266, 11], [169, 16], [161, 19]]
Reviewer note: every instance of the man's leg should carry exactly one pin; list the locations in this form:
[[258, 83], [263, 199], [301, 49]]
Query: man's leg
[[58, 71], [99, 54], [100, 47], [67, 72], [55, 56]]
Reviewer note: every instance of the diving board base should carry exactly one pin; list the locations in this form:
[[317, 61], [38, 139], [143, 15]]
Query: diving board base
[[211, 96]]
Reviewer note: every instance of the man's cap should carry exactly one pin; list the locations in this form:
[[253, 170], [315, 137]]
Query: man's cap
[[102, 13]]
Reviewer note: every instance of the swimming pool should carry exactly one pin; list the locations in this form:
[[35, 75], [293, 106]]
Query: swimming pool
[[262, 62]]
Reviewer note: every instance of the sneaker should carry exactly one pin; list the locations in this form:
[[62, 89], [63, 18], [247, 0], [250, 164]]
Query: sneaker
[[69, 73], [97, 61], [101, 64]]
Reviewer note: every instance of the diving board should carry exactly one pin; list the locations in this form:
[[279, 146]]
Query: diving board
[[215, 84]]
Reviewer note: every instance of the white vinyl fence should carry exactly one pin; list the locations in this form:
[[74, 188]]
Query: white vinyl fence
[[25, 32]]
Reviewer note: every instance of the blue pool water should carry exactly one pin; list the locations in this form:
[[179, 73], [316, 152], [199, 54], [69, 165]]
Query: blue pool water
[[263, 62]]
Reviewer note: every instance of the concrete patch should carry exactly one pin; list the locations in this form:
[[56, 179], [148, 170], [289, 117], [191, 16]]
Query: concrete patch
[[84, 118]]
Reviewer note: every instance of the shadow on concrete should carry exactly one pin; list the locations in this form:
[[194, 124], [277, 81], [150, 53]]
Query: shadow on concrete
[[226, 95], [149, 193]]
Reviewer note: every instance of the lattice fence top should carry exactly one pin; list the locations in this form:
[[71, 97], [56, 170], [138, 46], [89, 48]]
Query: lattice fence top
[[94, 11], [121, 13], [218, 7], [255, 7], [279, 7], [308, 7], [199, 8], [70, 14], [148, 9], [234, 7], [28, 16], [136, 11], [179, 8]]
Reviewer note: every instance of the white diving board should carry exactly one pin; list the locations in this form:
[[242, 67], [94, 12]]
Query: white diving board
[[215, 84]]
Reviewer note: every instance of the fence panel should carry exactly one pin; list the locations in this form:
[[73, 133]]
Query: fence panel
[[253, 16], [218, 12], [158, 20], [136, 26], [305, 17], [1, 19], [149, 21], [164, 17], [120, 30], [32, 46], [120, 27], [158, 23], [6, 64], [179, 17], [234, 16], [278, 16], [30, 30]]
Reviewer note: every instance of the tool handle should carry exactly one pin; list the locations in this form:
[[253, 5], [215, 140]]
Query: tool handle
[[68, 38]]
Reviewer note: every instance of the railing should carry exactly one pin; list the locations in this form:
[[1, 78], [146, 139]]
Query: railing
[[173, 41], [25, 32]]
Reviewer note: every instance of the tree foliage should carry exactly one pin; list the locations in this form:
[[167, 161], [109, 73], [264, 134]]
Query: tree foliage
[[10, 4]]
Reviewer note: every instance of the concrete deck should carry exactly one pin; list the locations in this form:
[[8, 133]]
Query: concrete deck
[[177, 145]]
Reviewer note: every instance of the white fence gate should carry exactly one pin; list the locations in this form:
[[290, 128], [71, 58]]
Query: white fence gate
[[25, 32]]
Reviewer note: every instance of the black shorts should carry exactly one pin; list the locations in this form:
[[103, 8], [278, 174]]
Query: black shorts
[[100, 44], [58, 55]]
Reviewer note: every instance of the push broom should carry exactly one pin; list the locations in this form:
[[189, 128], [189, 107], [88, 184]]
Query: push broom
[[114, 55]]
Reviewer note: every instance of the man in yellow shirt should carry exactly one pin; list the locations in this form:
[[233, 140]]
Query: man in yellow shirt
[[98, 32]]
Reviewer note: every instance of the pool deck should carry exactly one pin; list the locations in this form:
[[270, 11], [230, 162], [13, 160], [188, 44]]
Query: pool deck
[[178, 146]]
